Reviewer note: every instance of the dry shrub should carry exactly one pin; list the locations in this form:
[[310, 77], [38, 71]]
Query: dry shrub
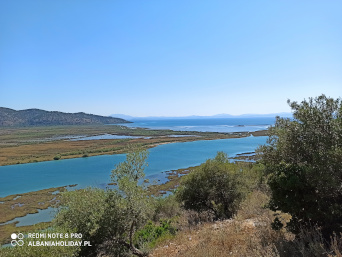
[[254, 206], [190, 220], [310, 243], [336, 246], [195, 218]]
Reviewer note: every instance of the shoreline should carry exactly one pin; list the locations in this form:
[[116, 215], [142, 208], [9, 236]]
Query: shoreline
[[20, 205], [27, 152]]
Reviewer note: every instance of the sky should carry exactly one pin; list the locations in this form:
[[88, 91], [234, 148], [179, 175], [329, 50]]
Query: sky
[[170, 57]]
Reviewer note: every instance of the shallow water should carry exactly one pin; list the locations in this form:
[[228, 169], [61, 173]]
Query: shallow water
[[95, 171], [45, 215], [106, 136]]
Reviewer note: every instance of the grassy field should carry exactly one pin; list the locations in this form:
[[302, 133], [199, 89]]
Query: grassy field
[[36, 144]]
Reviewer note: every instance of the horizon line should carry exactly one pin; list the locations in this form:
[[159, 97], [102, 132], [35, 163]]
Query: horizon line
[[195, 115]]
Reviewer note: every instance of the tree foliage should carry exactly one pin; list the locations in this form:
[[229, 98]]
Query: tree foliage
[[216, 186], [131, 201], [303, 159], [110, 218], [41, 251]]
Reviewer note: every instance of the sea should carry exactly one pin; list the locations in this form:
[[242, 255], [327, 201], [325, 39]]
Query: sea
[[205, 125]]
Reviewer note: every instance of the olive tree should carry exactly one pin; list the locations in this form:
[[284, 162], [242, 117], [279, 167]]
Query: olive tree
[[130, 202], [110, 218], [303, 159]]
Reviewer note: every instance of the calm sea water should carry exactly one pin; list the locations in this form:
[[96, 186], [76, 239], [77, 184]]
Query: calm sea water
[[206, 125]]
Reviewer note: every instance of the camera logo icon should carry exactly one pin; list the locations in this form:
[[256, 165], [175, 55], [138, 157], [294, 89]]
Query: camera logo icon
[[18, 236]]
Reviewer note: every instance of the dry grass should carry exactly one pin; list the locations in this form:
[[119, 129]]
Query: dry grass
[[224, 238], [248, 234], [46, 151], [245, 235]]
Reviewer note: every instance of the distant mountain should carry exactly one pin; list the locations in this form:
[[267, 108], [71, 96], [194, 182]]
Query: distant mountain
[[217, 116], [122, 116], [280, 114], [37, 117]]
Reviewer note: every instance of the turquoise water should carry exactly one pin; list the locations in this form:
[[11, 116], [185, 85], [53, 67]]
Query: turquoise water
[[206, 125], [95, 171]]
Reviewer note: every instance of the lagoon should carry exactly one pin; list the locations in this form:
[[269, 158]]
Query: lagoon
[[95, 171]]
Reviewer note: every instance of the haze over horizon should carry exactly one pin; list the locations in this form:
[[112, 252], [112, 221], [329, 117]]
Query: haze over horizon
[[168, 58]]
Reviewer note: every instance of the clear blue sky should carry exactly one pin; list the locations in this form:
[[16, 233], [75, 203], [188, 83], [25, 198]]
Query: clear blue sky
[[170, 57]]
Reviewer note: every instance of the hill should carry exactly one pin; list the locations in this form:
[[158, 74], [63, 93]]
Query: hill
[[37, 117]]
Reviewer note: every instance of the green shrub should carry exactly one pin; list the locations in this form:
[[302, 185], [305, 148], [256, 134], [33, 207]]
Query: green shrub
[[216, 186], [82, 211], [57, 157], [41, 251], [166, 208], [151, 233]]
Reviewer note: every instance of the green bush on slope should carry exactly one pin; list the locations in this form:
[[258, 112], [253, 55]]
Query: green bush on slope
[[217, 187], [303, 161]]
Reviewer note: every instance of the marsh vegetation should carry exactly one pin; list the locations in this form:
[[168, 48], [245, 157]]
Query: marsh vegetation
[[36, 144]]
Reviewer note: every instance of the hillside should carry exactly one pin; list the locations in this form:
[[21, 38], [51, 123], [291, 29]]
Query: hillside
[[37, 117]]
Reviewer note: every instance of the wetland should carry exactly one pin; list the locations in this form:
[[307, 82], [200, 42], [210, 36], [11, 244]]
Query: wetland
[[32, 188]]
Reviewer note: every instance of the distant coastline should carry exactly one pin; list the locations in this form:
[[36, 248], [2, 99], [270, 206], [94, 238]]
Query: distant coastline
[[217, 116], [37, 117], [221, 125]]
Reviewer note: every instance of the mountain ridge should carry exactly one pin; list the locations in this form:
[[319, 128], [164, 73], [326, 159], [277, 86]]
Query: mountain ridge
[[37, 117]]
